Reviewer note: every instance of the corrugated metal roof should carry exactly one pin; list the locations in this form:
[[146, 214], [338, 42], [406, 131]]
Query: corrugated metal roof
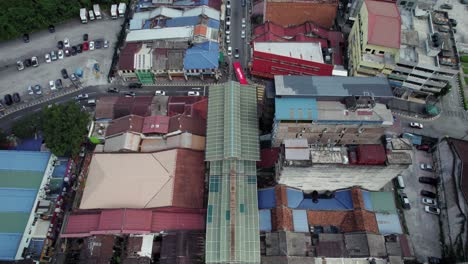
[[202, 56], [388, 223], [296, 109], [204, 11], [371, 154], [308, 51], [324, 86], [384, 25], [130, 123], [165, 221], [383, 202], [213, 23], [127, 56], [268, 157], [136, 23], [300, 222], [122, 143], [266, 198], [160, 33], [184, 123], [9, 243], [17, 200], [23, 160], [341, 201], [155, 124], [265, 220], [183, 21]]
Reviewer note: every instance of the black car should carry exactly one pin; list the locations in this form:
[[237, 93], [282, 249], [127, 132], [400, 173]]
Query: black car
[[453, 22], [64, 73], [429, 180], [73, 50], [97, 44], [51, 28], [16, 98], [27, 63], [85, 37], [60, 44], [8, 99], [428, 194], [58, 84], [113, 90], [26, 37], [79, 48], [135, 85]]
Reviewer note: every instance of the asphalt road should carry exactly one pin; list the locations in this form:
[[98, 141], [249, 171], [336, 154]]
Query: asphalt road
[[237, 13]]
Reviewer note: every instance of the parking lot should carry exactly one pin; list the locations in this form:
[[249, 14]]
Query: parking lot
[[423, 227], [458, 13], [12, 80]]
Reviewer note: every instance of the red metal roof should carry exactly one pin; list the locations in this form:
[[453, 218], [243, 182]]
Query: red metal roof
[[200, 108], [182, 104], [384, 25], [137, 221], [371, 154], [126, 57], [111, 107], [193, 124], [130, 123], [165, 221], [110, 221], [156, 124], [82, 224], [268, 157], [189, 179]]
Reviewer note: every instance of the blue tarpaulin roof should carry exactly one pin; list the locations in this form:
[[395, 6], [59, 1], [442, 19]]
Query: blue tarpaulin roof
[[8, 245], [182, 21], [302, 108], [300, 221], [341, 201], [265, 220], [388, 223], [202, 56], [266, 198]]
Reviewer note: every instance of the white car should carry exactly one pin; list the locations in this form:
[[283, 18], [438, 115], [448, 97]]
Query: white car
[[193, 93], [159, 93], [47, 58], [432, 210], [91, 45], [425, 166], [106, 44], [34, 61], [229, 51], [228, 21], [416, 125], [66, 43], [52, 86], [243, 34], [82, 96], [243, 22], [228, 30], [20, 65], [30, 90], [429, 201], [228, 4], [60, 54], [228, 39]]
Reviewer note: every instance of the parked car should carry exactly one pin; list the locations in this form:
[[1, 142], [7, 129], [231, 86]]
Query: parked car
[[243, 34], [424, 147], [8, 99], [73, 77], [82, 96], [85, 37], [67, 52], [64, 73], [98, 44], [27, 62], [228, 30], [30, 90], [229, 51], [79, 48], [53, 55], [106, 44], [66, 43], [425, 166], [37, 89], [60, 44], [60, 54], [135, 85], [34, 61], [85, 46], [228, 21], [432, 210], [453, 22], [47, 58], [429, 201], [20, 65], [243, 22], [130, 94], [26, 37], [51, 28], [416, 125], [191, 93], [236, 54], [228, 39], [428, 194], [113, 90], [58, 83], [91, 45], [16, 98], [228, 4], [446, 6], [159, 93], [52, 85], [429, 180], [73, 51], [405, 201]]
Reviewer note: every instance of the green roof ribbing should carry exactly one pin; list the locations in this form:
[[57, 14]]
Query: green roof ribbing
[[20, 179], [13, 222]]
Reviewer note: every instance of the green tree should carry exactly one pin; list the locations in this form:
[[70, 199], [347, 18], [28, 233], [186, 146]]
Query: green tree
[[64, 128], [27, 126]]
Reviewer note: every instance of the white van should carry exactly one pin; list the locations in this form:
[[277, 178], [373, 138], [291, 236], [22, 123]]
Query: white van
[[399, 182], [92, 102], [91, 15]]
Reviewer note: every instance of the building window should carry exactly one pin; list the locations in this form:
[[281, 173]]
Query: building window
[[381, 52], [368, 50]]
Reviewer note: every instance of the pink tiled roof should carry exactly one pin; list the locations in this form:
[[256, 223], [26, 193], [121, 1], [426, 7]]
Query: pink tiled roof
[[384, 25], [156, 124]]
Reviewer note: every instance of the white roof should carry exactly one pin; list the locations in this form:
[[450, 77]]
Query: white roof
[[160, 34], [309, 51], [166, 12], [172, 13], [130, 180], [202, 10]]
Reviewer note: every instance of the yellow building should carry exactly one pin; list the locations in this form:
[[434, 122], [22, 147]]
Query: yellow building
[[374, 42]]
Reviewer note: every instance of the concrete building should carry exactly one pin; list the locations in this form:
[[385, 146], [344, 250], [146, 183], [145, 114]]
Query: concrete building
[[314, 168], [331, 110], [374, 41]]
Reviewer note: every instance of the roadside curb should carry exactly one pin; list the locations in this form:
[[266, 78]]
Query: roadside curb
[[418, 118]]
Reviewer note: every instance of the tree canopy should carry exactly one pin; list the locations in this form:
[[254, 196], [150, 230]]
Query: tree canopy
[[64, 128], [27, 126]]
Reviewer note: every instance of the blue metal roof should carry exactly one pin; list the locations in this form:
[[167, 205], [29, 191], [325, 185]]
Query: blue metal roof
[[202, 56], [213, 23], [136, 24], [296, 109], [23, 160], [388, 223], [8, 245], [265, 220], [341, 201], [36, 246], [266, 198], [367, 200], [182, 21], [300, 221], [60, 170], [17, 200]]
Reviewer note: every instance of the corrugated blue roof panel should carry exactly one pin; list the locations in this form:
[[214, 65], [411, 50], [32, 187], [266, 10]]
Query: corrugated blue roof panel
[[147, 24], [136, 24], [213, 23], [36, 246], [300, 221], [295, 197], [266, 198], [265, 219], [182, 21], [202, 56], [296, 109], [60, 170], [367, 200], [9, 245], [17, 200], [23, 160], [341, 201], [388, 223]]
